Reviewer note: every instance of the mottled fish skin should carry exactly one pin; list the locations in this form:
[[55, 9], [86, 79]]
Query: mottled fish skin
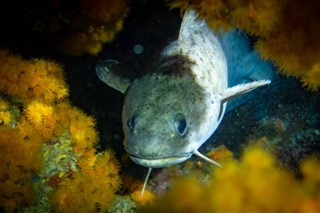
[[170, 112], [187, 81]]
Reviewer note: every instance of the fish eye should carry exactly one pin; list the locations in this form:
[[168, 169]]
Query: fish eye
[[131, 123], [180, 124]]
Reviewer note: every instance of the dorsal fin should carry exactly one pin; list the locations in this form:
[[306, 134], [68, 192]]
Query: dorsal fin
[[191, 24], [240, 89]]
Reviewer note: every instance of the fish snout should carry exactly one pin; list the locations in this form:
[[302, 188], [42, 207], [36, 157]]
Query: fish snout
[[148, 155]]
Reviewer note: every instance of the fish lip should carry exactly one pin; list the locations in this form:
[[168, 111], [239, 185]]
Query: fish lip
[[158, 162]]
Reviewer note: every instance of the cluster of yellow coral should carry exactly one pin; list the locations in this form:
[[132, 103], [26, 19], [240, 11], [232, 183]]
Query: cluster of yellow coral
[[288, 31], [147, 198], [19, 161], [45, 142], [95, 23], [96, 182], [34, 79], [255, 184]]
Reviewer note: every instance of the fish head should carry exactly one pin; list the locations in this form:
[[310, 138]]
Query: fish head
[[162, 120]]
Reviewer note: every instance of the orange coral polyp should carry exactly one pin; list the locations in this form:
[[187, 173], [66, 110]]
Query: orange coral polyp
[[147, 198], [37, 112], [5, 116], [42, 117], [311, 78]]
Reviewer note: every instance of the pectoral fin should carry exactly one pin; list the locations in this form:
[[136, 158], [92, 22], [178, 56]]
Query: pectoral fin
[[240, 89], [107, 72]]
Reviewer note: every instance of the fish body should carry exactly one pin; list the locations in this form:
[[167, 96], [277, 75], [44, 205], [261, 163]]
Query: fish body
[[171, 111]]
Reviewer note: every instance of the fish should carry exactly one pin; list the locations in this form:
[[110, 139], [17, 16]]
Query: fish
[[172, 110]]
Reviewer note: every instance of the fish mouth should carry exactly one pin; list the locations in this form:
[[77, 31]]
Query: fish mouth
[[158, 162]]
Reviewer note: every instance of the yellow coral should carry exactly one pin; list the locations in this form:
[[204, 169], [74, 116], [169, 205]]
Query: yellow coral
[[3, 104], [147, 198], [36, 79], [19, 161], [50, 140], [182, 4], [82, 128], [62, 112], [98, 23], [221, 153], [5, 116], [36, 112], [41, 116], [92, 188], [311, 79], [91, 40], [84, 136], [255, 184]]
